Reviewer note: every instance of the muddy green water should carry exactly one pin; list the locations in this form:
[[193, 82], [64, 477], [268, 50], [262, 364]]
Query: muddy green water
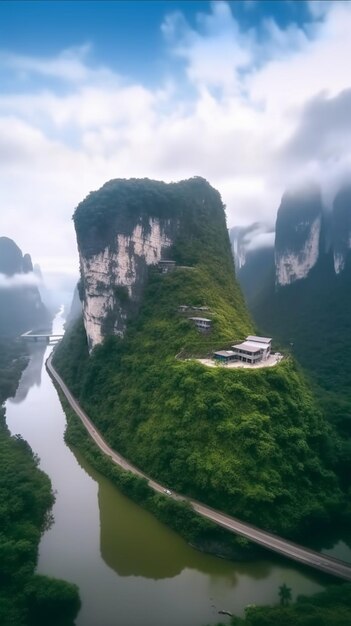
[[131, 570]]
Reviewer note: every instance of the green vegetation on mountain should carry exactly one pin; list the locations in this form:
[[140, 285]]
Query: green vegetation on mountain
[[250, 442], [327, 608], [201, 533], [312, 318], [13, 359], [26, 599]]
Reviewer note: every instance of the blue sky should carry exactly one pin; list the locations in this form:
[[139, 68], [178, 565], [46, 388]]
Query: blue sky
[[254, 96], [126, 35]]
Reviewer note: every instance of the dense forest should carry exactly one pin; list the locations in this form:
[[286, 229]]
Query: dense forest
[[311, 318], [180, 516], [252, 443], [312, 315], [327, 608], [26, 599]]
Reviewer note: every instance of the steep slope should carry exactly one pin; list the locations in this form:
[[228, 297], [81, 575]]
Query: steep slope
[[75, 311], [21, 307], [311, 312], [313, 318], [249, 442], [128, 226], [298, 234]]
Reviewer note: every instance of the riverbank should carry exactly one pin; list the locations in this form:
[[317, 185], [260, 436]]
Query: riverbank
[[145, 488], [26, 598], [328, 608], [128, 565], [200, 533]]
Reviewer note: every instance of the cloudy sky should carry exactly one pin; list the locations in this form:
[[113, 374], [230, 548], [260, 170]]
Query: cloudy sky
[[252, 95]]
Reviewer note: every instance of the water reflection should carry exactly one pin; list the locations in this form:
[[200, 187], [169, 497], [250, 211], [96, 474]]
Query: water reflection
[[130, 569], [32, 374], [134, 543], [340, 549]]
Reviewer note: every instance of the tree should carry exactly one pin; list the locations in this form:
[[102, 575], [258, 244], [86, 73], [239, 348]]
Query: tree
[[284, 594]]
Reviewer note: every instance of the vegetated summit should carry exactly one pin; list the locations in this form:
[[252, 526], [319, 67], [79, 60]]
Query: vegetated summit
[[250, 442]]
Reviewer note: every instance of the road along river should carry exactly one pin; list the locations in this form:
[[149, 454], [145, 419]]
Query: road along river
[[131, 570]]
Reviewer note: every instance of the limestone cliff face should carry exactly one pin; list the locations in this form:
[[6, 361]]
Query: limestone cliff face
[[298, 234], [113, 278], [308, 236], [128, 226], [305, 231], [294, 264]]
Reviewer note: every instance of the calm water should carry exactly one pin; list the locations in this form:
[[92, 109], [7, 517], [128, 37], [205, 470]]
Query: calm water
[[131, 570]]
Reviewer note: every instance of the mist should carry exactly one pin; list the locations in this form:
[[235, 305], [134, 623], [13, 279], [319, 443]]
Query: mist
[[19, 280]]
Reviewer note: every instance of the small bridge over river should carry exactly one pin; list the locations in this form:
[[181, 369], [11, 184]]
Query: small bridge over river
[[31, 335]]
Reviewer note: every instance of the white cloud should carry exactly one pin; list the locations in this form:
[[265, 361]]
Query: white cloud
[[231, 113], [261, 240], [319, 8], [69, 65], [19, 280], [216, 52]]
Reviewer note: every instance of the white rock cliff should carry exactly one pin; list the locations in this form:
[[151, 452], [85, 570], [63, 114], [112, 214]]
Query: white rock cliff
[[294, 265], [122, 265]]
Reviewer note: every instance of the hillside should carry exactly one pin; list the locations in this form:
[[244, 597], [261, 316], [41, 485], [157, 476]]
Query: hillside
[[21, 307], [312, 317], [252, 443], [304, 296]]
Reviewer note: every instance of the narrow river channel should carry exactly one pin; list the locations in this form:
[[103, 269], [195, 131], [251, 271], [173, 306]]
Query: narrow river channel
[[131, 570]]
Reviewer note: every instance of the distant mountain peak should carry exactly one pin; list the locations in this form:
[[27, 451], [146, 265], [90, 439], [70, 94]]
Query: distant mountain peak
[[21, 307], [11, 258], [298, 232]]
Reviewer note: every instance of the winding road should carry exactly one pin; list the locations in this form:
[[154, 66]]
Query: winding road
[[289, 549]]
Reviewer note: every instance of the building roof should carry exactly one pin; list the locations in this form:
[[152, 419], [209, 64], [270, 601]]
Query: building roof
[[247, 346], [200, 319], [225, 353], [257, 344], [259, 339]]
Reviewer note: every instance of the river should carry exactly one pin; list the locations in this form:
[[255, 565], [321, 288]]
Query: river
[[131, 570]]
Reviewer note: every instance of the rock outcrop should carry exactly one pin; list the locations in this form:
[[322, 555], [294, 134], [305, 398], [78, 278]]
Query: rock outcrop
[[113, 278], [122, 230], [306, 232], [298, 233]]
